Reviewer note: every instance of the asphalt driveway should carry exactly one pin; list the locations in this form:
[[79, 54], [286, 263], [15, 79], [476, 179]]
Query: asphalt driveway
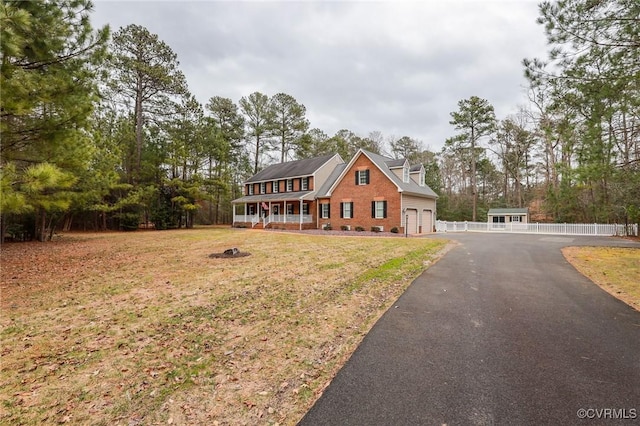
[[502, 331]]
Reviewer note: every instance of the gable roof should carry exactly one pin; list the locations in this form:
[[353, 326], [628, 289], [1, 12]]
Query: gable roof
[[508, 211], [385, 164], [291, 169]]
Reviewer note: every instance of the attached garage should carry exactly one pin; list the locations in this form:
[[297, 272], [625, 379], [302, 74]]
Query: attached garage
[[426, 222], [411, 221]]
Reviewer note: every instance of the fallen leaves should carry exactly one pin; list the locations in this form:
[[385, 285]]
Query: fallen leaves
[[145, 328]]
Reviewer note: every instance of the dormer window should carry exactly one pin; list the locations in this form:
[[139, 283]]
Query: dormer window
[[405, 173], [422, 176]]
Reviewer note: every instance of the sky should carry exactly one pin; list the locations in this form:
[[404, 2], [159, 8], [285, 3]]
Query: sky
[[397, 67]]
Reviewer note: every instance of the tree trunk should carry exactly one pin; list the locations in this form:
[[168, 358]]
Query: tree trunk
[[138, 114], [474, 191]]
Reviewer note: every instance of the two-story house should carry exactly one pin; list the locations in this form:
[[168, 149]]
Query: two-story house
[[285, 194], [369, 191]]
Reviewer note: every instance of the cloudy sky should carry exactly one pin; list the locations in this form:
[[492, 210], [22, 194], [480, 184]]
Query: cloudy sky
[[395, 67]]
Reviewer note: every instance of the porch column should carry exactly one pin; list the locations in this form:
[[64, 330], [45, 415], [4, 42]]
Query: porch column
[[301, 202]]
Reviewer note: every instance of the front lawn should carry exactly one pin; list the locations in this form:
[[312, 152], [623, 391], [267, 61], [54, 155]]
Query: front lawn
[[146, 328], [615, 269]]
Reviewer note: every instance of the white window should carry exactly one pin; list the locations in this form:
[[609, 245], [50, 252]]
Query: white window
[[289, 185], [305, 208], [362, 177], [325, 211], [405, 173], [379, 209], [250, 187], [304, 183], [515, 218], [263, 187], [274, 186], [422, 177], [347, 210]]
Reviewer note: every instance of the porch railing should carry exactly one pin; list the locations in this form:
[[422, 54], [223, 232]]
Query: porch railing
[[276, 218], [606, 229], [290, 218]]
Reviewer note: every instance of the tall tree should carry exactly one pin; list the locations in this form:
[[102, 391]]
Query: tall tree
[[592, 76], [288, 124], [144, 72], [49, 53], [258, 115], [475, 118], [224, 151], [406, 147], [513, 144]]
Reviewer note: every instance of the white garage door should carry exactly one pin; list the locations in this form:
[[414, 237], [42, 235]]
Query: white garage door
[[412, 222], [427, 225]]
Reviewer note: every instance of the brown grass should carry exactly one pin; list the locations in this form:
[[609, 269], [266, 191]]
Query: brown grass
[[146, 328], [615, 269]]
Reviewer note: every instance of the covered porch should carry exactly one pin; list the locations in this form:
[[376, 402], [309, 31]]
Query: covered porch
[[287, 211]]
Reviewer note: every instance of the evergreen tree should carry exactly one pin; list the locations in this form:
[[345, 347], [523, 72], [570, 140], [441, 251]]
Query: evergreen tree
[[259, 117], [145, 78], [476, 119], [288, 123], [49, 53]]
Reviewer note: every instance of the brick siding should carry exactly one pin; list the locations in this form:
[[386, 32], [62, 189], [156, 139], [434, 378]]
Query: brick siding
[[380, 188]]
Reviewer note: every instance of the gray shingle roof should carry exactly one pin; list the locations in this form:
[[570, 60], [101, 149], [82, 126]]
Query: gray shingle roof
[[407, 187], [291, 169], [280, 196], [508, 211], [394, 163]]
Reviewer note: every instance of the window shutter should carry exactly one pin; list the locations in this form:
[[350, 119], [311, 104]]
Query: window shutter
[[357, 177], [384, 209], [373, 209], [352, 215], [341, 210], [366, 176], [329, 211]]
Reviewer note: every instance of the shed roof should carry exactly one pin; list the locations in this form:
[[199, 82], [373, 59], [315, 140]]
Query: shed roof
[[512, 211]]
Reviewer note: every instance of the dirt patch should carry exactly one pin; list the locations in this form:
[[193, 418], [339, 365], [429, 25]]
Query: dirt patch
[[225, 255]]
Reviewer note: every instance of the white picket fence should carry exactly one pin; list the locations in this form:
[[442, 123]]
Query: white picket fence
[[606, 229]]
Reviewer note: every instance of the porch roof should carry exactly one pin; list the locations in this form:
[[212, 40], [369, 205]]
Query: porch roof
[[280, 196]]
